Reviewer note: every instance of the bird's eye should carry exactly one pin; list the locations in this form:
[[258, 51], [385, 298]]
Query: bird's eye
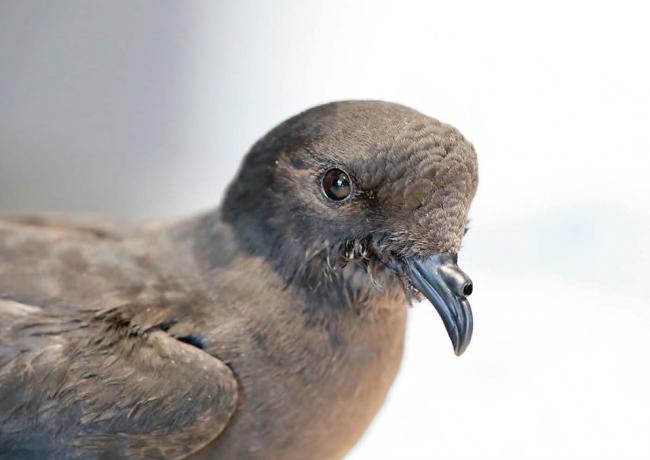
[[336, 184]]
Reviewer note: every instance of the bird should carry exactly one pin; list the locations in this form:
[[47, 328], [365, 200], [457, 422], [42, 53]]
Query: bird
[[269, 327]]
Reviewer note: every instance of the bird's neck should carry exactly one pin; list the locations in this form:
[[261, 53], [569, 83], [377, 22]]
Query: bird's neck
[[316, 275]]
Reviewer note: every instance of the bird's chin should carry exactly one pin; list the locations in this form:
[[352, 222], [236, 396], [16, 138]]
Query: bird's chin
[[417, 295], [439, 279]]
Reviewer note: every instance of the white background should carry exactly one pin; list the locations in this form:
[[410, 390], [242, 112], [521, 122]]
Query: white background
[[146, 108]]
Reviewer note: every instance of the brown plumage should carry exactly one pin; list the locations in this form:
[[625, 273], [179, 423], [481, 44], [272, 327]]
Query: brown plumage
[[271, 327]]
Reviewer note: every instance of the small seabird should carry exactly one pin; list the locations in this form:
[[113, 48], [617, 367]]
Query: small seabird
[[268, 328]]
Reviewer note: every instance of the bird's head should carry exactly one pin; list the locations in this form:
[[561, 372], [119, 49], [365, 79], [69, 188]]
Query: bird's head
[[358, 199]]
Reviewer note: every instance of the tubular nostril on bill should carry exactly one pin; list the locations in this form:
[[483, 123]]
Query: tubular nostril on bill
[[459, 283]]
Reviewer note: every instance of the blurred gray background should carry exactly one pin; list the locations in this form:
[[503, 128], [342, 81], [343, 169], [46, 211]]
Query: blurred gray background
[[144, 109]]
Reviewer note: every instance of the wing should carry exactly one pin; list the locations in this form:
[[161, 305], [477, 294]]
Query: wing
[[91, 226], [41, 260], [113, 383]]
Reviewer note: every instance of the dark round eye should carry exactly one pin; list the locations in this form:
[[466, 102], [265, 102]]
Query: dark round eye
[[336, 184]]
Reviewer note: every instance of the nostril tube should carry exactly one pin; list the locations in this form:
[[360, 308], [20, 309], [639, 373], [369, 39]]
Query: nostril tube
[[457, 281]]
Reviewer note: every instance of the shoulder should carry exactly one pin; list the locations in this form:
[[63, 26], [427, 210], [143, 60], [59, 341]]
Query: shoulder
[[115, 381]]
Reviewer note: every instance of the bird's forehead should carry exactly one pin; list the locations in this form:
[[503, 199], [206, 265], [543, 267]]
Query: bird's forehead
[[397, 151], [421, 173]]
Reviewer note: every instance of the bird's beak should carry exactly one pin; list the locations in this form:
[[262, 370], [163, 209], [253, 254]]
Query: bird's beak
[[446, 286]]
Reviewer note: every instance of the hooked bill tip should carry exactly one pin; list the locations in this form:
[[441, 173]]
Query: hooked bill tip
[[446, 286]]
